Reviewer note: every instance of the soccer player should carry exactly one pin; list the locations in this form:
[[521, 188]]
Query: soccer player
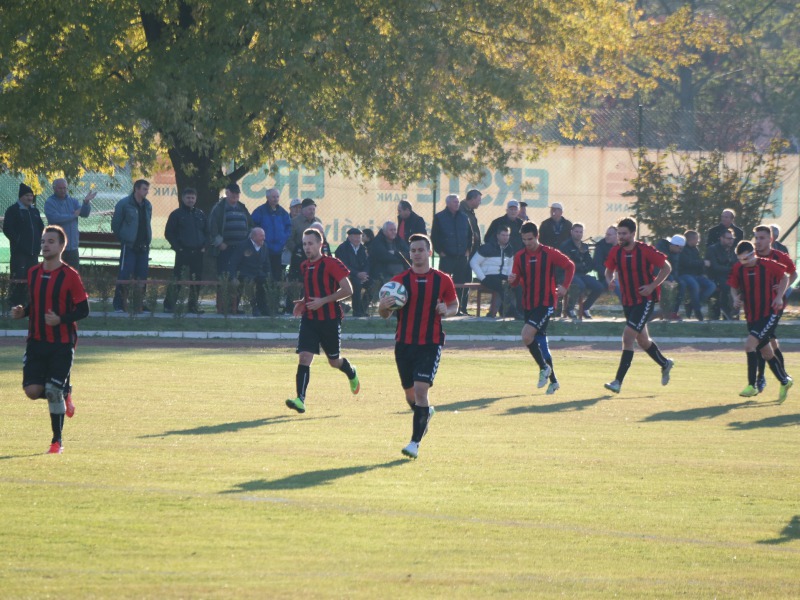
[[764, 249], [635, 264], [57, 300], [759, 284], [419, 337], [534, 270], [325, 282]]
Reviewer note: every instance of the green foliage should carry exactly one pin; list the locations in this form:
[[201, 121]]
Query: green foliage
[[100, 283], [693, 194]]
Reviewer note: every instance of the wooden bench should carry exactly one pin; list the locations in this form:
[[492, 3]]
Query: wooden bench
[[105, 242]]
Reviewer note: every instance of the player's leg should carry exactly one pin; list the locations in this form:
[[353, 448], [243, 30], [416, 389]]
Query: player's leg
[[777, 369], [403, 359], [536, 320], [647, 344], [331, 342], [307, 346], [544, 346], [59, 365], [425, 364]]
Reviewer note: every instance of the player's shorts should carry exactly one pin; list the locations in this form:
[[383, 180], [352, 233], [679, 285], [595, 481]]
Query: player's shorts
[[764, 328], [46, 362], [539, 317], [324, 332], [638, 315], [417, 363]]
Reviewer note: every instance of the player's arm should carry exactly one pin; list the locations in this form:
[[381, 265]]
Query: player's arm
[[663, 273], [513, 278], [345, 291], [447, 309], [81, 311], [777, 303], [19, 311], [385, 306], [569, 274], [609, 275]]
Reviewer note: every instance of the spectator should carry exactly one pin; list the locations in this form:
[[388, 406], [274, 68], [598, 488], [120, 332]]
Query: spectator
[[776, 233], [583, 282], [131, 224], [277, 225], [353, 255], [693, 282], [63, 210], [250, 263], [555, 231], [468, 206], [721, 257], [523, 211], [409, 222], [229, 225], [601, 251], [388, 253], [187, 232], [492, 265], [672, 248], [726, 221], [295, 207], [512, 221], [451, 236], [307, 216], [23, 226]]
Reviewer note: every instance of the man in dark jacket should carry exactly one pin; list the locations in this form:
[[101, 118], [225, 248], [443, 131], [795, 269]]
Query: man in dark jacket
[[672, 248], [131, 224], [187, 233], [353, 255], [726, 221], [228, 225], [23, 226], [583, 282], [694, 284], [409, 222], [451, 236], [721, 257], [277, 225], [250, 264], [468, 206], [555, 231], [512, 221], [388, 253]]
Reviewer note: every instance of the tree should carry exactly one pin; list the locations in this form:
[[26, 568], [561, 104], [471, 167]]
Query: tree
[[384, 87]]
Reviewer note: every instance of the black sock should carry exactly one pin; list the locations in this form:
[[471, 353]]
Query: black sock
[[536, 353], [347, 369], [777, 369], [761, 365], [624, 364], [654, 353], [420, 422], [301, 380], [752, 367], [57, 425], [779, 356], [549, 361]]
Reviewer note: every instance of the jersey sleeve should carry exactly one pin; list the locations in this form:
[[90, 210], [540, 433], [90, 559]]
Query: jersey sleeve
[[786, 260], [654, 257], [611, 259], [448, 289], [516, 268], [338, 270], [76, 287], [563, 261]]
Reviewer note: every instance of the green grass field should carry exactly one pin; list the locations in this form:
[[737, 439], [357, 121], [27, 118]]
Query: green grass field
[[185, 476]]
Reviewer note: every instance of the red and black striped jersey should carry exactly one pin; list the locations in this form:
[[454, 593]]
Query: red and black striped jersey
[[635, 268], [536, 273], [758, 285], [321, 278], [59, 290], [418, 322], [781, 258]]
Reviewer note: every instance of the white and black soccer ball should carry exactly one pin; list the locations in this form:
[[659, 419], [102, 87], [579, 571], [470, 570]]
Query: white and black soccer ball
[[396, 291]]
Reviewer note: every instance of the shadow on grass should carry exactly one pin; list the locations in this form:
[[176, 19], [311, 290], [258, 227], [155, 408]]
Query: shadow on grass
[[12, 456], [229, 427], [789, 533], [779, 421], [476, 404], [703, 412], [573, 405], [309, 479]]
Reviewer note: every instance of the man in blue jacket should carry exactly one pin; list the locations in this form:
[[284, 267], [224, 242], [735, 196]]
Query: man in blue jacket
[[131, 224], [451, 235], [23, 227], [277, 225], [63, 210]]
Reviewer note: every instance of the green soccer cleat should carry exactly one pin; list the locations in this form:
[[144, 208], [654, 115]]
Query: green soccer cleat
[[749, 392], [615, 386], [296, 404], [784, 391], [355, 384], [544, 375]]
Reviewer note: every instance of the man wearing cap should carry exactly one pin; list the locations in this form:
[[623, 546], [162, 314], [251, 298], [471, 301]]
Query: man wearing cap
[[131, 224], [468, 205], [307, 216], [512, 221], [229, 225], [555, 231], [451, 236], [672, 248], [277, 225], [63, 210], [23, 227], [409, 222], [354, 256]]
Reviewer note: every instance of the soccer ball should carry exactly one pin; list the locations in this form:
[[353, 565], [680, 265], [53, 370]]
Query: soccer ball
[[396, 291]]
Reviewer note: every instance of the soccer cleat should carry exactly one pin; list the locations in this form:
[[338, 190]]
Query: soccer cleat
[[296, 404], [587, 315], [665, 371], [544, 375], [55, 448], [431, 412], [784, 390], [355, 385], [748, 392], [70, 405], [761, 384], [412, 450], [552, 388], [615, 386]]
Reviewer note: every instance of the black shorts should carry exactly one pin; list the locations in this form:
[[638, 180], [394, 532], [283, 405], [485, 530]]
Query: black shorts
[[417, 363], [46, 362], [315, 333], [764, 328], [638, 315], [539, 317]]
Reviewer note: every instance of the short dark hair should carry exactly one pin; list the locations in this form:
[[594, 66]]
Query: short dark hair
[[62, 235], [744, 247], [504, 228], [314, 232], [764, 228], [628, 224], [420, 237], [139, 183], [574, 225], [472, 193], [405, 205], [690, 233], [529, 227], [189, 191]]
